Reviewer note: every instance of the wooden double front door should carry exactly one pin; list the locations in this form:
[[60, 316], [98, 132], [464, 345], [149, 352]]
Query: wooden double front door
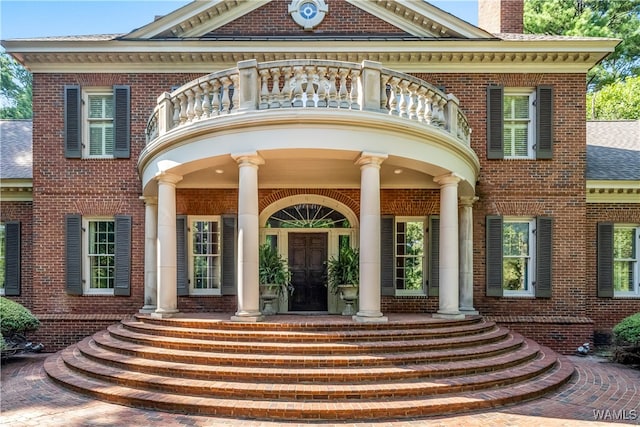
[[307, 261]]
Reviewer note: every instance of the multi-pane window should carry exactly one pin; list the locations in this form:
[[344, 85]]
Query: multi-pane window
[[100, 124], [518, 129], [205, 255], [517, 244], [101, 238], [626, 274], [3, 249], [410, 255]]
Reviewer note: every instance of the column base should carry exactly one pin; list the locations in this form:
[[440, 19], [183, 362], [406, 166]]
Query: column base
[[369, 319], [147, 309], [164, 314], [469, 311], [448, 316], [247, 317]]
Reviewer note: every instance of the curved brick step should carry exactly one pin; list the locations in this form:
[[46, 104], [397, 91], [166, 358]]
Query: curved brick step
[[74, 358], [310, 409], [427, 354], [218, 332], [280, 372], [271, 346]]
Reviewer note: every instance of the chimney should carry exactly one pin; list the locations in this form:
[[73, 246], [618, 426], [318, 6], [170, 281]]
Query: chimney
[[501, 16]]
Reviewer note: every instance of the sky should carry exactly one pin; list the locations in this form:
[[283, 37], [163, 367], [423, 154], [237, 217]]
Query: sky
[[43, 18]]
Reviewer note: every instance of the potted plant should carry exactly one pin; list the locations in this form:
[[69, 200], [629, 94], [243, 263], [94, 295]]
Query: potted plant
[[274, 276], [343, 277]]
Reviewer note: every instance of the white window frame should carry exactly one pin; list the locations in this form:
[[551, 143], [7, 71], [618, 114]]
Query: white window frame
[[531, 257], [410, 292], [3, 256], [531, 128], [635, 292], [86, 256], [218, 267], [86, 146]]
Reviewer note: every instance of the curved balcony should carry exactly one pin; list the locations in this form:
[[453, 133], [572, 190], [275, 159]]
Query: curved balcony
[[310, 84]]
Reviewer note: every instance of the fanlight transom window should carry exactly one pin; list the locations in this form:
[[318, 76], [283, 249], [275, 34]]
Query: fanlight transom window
[[307, 215]]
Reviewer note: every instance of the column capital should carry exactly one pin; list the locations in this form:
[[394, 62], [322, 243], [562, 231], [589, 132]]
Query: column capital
[[371, 159], [248, 159], [447, 179], [168, 177], [468, 201], [149, 200]]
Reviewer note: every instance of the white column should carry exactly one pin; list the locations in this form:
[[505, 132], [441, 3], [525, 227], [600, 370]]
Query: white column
[[466, 255], [369, 293], [449, 275], [167, 303], [248, 238], [150, 254]]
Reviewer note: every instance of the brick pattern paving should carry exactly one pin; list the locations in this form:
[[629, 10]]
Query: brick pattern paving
[[601, 393]]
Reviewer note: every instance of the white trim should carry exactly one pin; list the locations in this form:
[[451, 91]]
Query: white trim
[[308, 198], [86, 260], [86, 128], [614, 191], [635, 293], [190, 255], [530, 93], [425, 251]]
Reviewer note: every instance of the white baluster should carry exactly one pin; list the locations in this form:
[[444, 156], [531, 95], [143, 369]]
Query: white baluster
[[413, 101], [183, 107], [420, 97], [215, 98], [190, 105], [274, 102], [175, 104], [353, 96], [333, 91], [206, 99], [297, 87], [393, 96], [197, 107], [310, 90], [322, 87], [384, 97], [342, 93], [428, 107], [225, 95], [286, 93], [264, 90], [235, 100]]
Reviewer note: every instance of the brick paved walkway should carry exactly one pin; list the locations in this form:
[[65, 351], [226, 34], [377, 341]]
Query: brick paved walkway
[[29, 398]]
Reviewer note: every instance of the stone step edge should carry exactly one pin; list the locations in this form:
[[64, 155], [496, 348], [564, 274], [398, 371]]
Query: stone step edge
[[319, 391], [316, 410], [523, 354], [106, 341], [122, 333], [272, 323], [307, 335]]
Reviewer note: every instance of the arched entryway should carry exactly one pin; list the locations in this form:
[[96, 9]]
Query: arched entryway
[[307, 230]]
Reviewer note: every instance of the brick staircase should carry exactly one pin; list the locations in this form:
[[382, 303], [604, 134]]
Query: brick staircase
[[309, 368]]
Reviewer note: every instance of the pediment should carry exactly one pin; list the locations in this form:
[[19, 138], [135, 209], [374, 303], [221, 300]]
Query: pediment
[[411, 19]]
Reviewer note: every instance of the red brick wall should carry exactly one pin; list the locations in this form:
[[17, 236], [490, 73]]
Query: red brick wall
[[23, 212], [501, 16], [274, 19], [606, 312]]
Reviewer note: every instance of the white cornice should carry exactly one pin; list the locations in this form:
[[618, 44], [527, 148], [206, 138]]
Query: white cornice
[[600, 191], [16, 190], [453, 56]]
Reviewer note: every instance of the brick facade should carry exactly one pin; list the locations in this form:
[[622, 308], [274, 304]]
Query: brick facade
[[96, 187]]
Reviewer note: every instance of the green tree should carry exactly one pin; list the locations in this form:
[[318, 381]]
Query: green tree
[[15, 89], [615, 101], [592, 18]]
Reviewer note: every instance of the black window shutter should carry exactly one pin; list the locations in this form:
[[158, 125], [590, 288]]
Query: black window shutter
[[72, 122], [121, 122], [494, 253], [12, 258], [182, 261], [229, 255], [544, 122], [73, 254], [123, 256], [605, 260], [387, 256], [544, 256], [434, 256], [495, 126]]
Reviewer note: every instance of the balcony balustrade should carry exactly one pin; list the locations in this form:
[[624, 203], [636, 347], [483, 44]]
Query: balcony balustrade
[[310, 84]]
